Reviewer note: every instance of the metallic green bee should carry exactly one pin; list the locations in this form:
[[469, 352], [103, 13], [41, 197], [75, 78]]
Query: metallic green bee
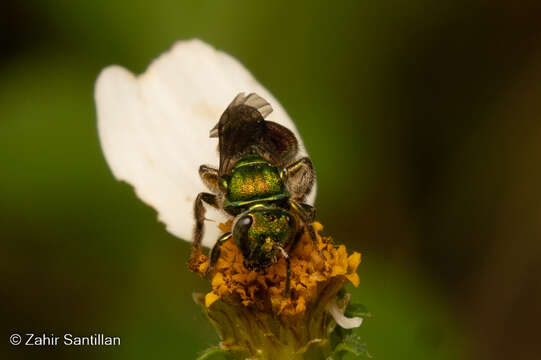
[[259, 183]]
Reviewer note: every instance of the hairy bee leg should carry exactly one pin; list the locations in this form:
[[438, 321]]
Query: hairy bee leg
[[288, 272], [307, 214], [214, 254], [210, 178], [299, 178], [309, 210], [310, 213], [199, 213], [305, 211]]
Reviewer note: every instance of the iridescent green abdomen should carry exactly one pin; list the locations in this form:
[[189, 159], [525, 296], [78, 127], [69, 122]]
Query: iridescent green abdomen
[[253, 180]]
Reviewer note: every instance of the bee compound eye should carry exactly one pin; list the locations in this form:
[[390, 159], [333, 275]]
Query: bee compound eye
[[240, 234], [244, 223], [291, 221]]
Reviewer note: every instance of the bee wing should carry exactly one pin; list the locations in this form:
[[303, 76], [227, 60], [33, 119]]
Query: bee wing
[[154, 128], [242, 129]]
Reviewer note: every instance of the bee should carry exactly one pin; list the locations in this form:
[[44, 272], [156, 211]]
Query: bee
[[260, 183], [153, 132]]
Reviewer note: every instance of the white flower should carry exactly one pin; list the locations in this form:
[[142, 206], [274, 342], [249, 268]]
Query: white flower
[[342, 320], [154, 128]]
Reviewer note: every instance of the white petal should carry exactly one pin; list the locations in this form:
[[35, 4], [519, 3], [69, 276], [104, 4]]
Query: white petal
[[342, 320], [154, 129]]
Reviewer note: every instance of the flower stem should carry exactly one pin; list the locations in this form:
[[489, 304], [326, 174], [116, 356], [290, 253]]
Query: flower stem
[[247, 333]]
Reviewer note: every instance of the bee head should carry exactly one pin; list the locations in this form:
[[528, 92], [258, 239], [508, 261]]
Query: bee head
[[262, 234]]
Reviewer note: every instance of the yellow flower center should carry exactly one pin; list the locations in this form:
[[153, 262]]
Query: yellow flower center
[[264, 291]]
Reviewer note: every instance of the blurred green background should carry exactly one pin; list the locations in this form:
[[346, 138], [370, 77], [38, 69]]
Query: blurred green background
[[422, 120]]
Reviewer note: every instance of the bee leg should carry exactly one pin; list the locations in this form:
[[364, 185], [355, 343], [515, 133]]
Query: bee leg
[[210, 178], [307, 214], [313, 236], [288, 277], [299, 178], [199, 213], [214, 254], [309, 210], [288, 272]]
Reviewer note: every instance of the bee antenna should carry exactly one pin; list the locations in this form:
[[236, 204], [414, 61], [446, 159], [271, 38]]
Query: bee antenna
[[284, 253]]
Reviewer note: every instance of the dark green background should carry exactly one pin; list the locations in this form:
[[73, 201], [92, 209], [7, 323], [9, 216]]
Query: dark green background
[[422, 120]]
